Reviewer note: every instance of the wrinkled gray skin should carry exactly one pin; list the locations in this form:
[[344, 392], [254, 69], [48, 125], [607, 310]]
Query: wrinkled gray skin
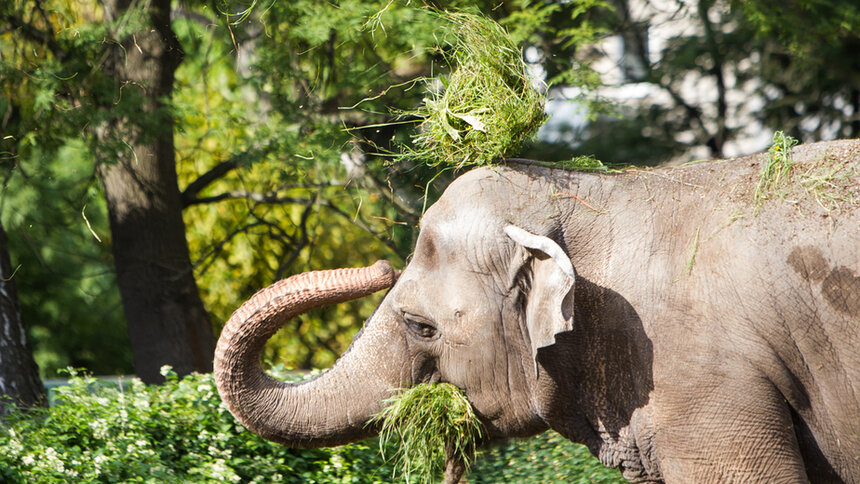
[[699, 341]]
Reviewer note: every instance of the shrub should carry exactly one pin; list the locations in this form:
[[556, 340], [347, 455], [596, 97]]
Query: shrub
[[170, 433], [180, 432]]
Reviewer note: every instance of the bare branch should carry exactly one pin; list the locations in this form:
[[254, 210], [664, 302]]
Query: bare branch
[[269, 198], [273, 198], [194, 188]]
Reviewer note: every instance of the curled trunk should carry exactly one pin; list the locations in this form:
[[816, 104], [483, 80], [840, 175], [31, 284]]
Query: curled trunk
[[331, 409]]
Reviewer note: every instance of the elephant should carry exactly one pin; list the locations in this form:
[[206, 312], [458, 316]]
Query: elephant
[[679, 329]]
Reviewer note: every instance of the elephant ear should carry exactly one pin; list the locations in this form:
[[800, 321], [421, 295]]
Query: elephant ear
[[549, 306]]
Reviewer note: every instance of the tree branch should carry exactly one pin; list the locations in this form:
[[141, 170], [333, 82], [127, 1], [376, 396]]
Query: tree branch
[[269, 198], [194, 188], [273, 198], [716, 142]]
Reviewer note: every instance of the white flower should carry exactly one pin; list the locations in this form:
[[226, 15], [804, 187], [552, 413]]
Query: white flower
[[165, 370], [100, 428], [28, 460], [52, 461], [15, 447]]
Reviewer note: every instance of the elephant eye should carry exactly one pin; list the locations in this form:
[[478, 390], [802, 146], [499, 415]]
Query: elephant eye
[[420, 327]]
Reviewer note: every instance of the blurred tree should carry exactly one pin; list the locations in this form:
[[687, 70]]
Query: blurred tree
[[167, 322], [712, 78], [19, 376], [110, 84]]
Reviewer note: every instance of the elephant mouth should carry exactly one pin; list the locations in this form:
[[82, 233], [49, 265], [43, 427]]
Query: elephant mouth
[[424, 370]]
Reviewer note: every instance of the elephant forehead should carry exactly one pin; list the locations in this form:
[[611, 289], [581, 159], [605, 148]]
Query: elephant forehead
[[470, 240], [435, 291]]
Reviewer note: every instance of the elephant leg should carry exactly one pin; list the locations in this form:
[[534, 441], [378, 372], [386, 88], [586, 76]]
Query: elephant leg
[[727, 429]]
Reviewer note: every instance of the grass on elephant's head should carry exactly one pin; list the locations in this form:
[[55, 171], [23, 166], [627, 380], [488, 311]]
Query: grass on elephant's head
[[777, 168], [425, 422], [488, 107]]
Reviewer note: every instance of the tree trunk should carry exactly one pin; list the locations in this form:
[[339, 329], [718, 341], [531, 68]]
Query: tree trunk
[[19, 375], [167, 322]]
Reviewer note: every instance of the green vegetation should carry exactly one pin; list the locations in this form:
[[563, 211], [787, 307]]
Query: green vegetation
[[261, 107], [777, 167], [488, 107], [547, 458], [179, 432], [427, 424]]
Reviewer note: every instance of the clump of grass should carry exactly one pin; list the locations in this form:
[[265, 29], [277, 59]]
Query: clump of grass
[[777, 170], [488, 107], [577, 163], [583, 163], [430, 422], [831, 182]]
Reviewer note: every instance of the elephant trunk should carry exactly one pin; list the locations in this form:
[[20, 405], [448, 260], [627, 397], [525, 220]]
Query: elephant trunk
[[331, 409]]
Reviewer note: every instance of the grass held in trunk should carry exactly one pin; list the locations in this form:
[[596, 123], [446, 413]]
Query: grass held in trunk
[[429, 422], [488, 107]]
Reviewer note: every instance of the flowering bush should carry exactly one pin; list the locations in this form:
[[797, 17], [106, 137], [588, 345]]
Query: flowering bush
[[175, 432], [180, 432]]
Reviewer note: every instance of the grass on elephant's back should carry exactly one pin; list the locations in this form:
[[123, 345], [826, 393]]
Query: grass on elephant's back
[[547, 458]]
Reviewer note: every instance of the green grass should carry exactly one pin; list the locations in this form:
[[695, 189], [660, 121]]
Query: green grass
[[425, 424], [488, 107], [544, 459], [777, 170]]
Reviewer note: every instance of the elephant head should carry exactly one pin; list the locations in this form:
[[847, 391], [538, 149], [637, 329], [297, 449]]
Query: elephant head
[[479, 298]]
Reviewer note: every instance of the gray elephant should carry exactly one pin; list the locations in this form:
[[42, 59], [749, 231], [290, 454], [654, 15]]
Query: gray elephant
[[660, 317]]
